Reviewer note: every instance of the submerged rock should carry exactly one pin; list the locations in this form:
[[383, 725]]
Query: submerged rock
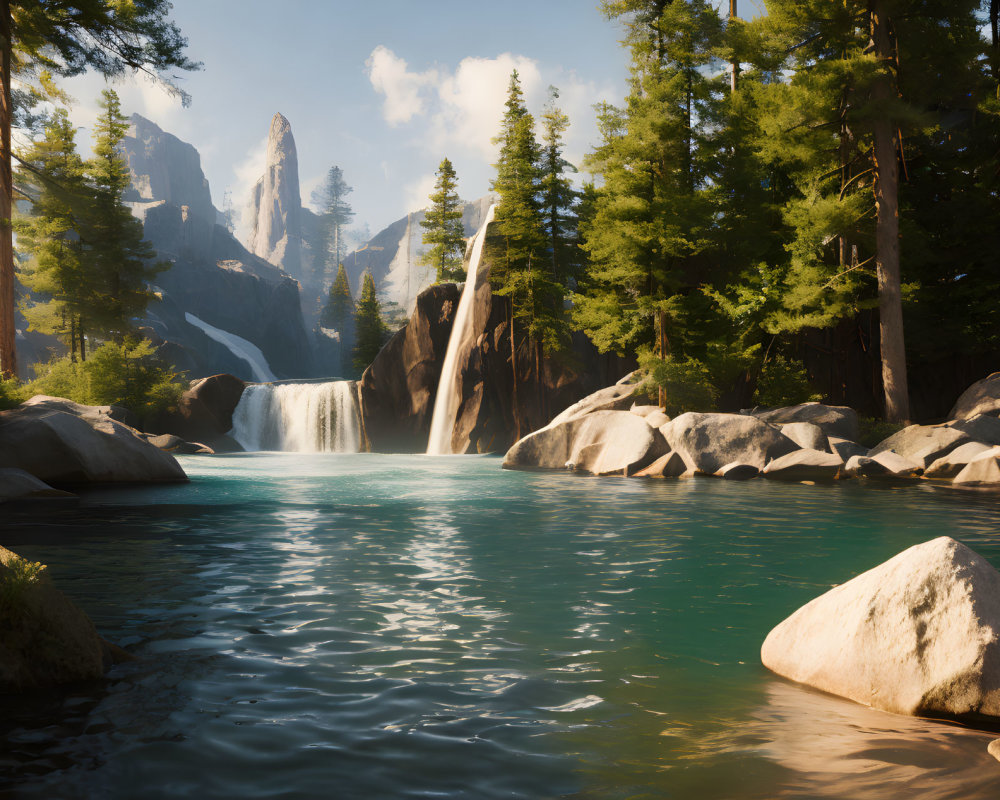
[[983, 397], [670, 465], [603, 443], [919, 634], [46, 640], [59, 447], [711, 441], [738, 472], [839, 421]]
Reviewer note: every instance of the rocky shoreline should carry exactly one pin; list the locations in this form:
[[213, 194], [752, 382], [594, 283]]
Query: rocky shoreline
[[611, 433]]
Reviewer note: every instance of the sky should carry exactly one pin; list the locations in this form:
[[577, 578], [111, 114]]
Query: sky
[[384, 89]]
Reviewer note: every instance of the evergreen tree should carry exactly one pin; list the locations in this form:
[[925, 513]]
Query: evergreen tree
[[117, 253], [557, 194], [52, 179], [651, 223], [370, 330], [866, 78], [334, 215], [339, 309], [444, 230], [66, 38]]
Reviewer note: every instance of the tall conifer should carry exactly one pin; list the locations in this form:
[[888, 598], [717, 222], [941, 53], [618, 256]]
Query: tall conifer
[[443, 227]]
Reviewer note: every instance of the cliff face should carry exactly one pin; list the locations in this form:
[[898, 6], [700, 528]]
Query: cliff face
[[276, 203], [244, 299]]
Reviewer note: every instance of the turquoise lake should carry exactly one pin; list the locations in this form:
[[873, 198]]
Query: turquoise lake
[[365, 626]]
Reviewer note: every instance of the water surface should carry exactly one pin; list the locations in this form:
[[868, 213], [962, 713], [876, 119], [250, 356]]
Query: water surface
[[363, 626]]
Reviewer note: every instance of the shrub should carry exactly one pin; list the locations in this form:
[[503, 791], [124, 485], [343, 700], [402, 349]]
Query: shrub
[[871, 431], [783, 382], [15, 579], [12, 393], [127, 374], [687, 383]]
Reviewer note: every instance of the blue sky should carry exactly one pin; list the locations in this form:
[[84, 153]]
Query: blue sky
[[383, 89]]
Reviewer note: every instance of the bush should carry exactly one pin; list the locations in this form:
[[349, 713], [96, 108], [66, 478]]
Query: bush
[[12, 393], [872, 431], [128, 375], [783, 382], [18, 576], [687, 383]]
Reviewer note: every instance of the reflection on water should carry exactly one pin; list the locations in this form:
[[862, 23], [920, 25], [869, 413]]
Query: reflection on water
[[365, 626]]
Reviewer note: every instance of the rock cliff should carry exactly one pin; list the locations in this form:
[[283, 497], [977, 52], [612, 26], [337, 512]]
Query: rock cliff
[[239, 297], [276, 203]]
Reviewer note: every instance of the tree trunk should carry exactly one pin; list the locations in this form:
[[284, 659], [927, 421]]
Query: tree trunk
[[995, 35], [8, 352], [515, 406], [897, 405], [735, 63]]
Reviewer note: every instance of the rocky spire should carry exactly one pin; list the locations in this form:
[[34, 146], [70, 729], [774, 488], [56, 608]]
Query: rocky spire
[[276, 205]]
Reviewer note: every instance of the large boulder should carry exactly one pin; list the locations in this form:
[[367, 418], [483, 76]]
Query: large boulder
[[919, 634], [205, 411], [983, 397], [839, 421], [807, 436], [397, 391], [887, 465], [922, 444], [980, 428], [983, 470], [16, 484], [709, 442], [670, 465], [602, 443], [63, 448], [947, 467], [805, 465], [619, 397], [45, 640]]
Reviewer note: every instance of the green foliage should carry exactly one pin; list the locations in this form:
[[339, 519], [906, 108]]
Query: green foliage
[[687, 383], [872, 431], [11, 393], [783, 382], [370, 329], [557, 194], [88, 265], [443, 227], [520, 266], [339, 310], [334, 215], [16, 577], [127, 374]]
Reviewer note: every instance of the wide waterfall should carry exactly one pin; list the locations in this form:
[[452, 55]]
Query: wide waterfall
[[298, 417], [447, 400]]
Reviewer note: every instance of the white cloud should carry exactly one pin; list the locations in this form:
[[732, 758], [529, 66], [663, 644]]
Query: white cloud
[[417, 193], [459, 112], [247, 173], [403, 89]]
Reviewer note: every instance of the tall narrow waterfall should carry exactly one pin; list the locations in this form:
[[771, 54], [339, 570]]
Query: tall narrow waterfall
[[447, 400], [298, 417]]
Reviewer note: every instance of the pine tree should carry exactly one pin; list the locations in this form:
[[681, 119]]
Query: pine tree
[[867, 76], [557, 194], [52, 179], [650, 225], [334, 215], [66, 38], [444, 230], [339, 309], [117, 251], [370, 330]]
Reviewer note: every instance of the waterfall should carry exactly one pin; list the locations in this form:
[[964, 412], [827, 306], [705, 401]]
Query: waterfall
[[447, 400], [299, 418], [238, 346]]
